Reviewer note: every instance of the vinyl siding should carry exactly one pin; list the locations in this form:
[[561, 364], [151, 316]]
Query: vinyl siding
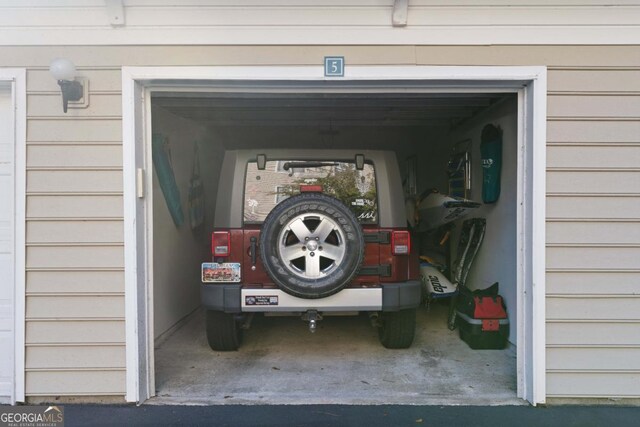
[[75, 284], [326, 22], [593, 237], [75, 276]]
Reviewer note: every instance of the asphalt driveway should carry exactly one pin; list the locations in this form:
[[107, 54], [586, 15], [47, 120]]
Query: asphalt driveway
[[348, 415]]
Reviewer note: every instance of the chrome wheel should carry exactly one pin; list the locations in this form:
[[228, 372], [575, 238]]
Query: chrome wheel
[[311, 245]]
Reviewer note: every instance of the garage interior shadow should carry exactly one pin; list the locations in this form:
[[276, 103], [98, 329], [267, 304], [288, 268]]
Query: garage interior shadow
[[280, 362]]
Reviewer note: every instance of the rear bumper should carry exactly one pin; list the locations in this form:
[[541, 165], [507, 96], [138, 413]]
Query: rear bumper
[[231, 298]]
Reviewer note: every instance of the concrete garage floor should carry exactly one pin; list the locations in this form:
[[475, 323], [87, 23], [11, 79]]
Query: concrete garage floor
[[280, 362]]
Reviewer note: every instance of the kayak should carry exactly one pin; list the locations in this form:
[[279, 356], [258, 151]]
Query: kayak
[[437, 209], [435, 284]]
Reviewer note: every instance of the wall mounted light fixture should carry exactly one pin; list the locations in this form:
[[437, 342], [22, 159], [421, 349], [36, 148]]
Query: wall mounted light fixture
[[64, 72]]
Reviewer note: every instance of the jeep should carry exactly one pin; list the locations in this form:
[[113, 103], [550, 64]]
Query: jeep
[[310, 233]]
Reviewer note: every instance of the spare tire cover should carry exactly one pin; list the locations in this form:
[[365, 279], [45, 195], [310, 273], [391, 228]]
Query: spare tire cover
[[311, 245]]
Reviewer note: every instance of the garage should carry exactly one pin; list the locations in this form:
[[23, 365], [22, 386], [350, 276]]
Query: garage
[[424, 123]]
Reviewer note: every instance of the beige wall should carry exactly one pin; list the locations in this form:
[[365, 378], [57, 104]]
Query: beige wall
[[75, 285]]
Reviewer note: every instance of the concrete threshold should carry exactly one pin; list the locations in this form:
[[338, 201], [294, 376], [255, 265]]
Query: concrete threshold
[[282, 363]]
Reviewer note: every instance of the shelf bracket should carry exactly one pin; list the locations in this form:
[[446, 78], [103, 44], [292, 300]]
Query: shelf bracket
[[115, 10], [400, 13]]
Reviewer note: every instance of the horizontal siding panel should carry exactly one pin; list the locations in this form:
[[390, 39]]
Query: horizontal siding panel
[[593, 81], [74, 156], [619, 182], [593, 358], [6, 314], [53, 357], [47, 332], [593, 384], [515, 3], [351, 3], [270, 15], [593, 232], [75, 206], [6, 237], [74, 281], [114, 56], [75, 231], [327, 35], [559, 333], [593, 131], [99, 81], [593, 257], [593, 207], [74, 181], [74, 307], [52, 383], [110, 56], [593, 156], [49, 17], [53, 130], [75, 256], [6, 391], [593, 106], [211, 16], [49, 105], [601, 308], [589, 282]]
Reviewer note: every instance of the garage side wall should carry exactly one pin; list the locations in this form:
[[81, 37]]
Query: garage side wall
[[75, 301], [177, 251], [497, 259]]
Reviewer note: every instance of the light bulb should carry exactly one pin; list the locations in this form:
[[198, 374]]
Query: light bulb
[[62, 69]]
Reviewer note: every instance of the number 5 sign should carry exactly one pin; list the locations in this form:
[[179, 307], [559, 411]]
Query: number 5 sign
[[334, 66]]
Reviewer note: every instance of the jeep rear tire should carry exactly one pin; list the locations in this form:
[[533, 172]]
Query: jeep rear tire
[[398, 328], [223, 331], [311, 245]]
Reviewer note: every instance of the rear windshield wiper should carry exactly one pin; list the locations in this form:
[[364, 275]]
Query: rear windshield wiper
[[296, 165]]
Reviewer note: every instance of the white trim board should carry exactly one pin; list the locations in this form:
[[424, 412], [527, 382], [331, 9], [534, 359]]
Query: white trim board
[[528, 82], [18, 78], [325, 36]]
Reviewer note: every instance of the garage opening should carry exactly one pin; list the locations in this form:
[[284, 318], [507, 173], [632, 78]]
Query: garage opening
[[344, 361], [426, 124]]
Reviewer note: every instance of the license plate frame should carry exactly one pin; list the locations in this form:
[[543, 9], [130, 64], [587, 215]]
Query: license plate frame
[[226, 272]]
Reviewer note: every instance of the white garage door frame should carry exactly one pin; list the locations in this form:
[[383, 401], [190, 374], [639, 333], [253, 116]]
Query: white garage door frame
[[16, 78], [529, 83]]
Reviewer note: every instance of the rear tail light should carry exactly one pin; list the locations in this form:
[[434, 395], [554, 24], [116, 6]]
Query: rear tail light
[[221, 243], [400, 243]]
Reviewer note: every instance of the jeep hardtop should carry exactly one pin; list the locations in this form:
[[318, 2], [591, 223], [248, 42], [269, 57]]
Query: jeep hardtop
[[311, 233]]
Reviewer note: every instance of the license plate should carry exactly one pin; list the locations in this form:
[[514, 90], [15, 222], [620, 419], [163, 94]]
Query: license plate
[[213, 272]]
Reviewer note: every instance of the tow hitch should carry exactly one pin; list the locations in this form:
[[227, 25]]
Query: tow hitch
[[313, 317]]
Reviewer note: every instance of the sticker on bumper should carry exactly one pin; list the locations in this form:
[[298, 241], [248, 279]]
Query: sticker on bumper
[[213, 272], [261, 300]]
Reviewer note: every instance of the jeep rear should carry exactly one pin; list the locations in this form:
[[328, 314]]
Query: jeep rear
[[310, 233]]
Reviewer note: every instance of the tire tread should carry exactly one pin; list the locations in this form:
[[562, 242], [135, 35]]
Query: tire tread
[[398, 329], [223, 331]]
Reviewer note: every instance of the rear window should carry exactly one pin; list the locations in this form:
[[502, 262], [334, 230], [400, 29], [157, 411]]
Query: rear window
[[264, 189]]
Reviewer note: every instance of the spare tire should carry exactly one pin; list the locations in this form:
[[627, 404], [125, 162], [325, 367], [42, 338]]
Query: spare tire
[[311, 245]]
